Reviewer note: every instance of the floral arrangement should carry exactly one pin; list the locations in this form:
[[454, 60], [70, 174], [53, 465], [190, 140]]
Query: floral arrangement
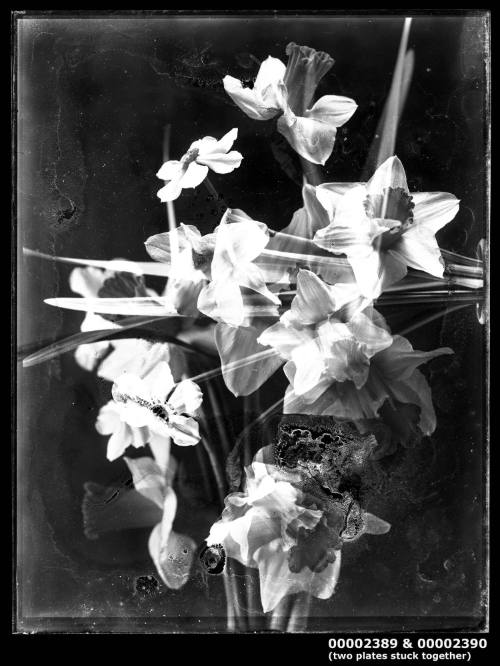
[[250, 302]]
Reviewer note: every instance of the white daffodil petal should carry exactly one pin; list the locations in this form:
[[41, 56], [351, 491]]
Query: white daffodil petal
[[238, 244], [170, 191], [236, 345], [160, 448], [147, 478], [194, 175], [376, 271], [87, 281], [176, 559], [184, 430], [222, 301], [419, 249], [400, 360], [389, 174], [433, 210], [88, 356], [225, 144], [284, 339], [373, 338], [310, 138], [309, 364], [170, 170], [159, 382], [314, 301], [271, 73], [247, 99], [221, 162], [332, 110], [118, 442], [108, 419], [251, 277], [277, 581], [186, 398]]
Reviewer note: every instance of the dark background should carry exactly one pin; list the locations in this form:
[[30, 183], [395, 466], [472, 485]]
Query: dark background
[[93, 98]]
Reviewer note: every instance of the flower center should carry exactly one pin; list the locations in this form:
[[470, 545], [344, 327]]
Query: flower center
[[162, 412], [190, 156], [394, 205]]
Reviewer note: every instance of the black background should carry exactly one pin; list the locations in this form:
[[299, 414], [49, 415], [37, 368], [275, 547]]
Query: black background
[[93, 98]]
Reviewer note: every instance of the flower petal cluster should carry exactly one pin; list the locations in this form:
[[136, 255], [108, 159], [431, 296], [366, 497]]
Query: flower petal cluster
[[192, 168], [286, 91], [383, 229], [157, 403]]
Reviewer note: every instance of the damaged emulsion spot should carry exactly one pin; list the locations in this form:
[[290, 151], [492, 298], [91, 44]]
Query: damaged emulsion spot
[[146, 585], [213, 559]]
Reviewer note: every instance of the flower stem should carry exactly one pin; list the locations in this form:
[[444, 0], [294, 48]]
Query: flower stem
[[300, 613], [280, 614], [213, 192]]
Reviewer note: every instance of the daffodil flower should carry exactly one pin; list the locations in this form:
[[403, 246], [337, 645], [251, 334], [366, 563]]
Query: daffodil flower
[[392, 378], [295, 544], [194, 252], [239, 240], [286, 92], [151, 503], [383, 229], [315, 337], [192, 168], [138, 358], [155, 402]]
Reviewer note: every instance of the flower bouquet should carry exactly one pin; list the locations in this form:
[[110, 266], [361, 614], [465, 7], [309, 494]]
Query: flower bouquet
[[321, 311]]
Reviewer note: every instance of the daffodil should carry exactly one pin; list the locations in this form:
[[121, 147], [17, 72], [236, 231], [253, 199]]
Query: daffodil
[[192, 168], [322, 343], [292, 538], [383, 229], [194, 252], [286, 92], [138, 358], [151, 503], [157, 403], [392, 377], [239, 240]]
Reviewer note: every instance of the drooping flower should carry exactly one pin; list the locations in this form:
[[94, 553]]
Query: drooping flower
[[155, 402], [286, 92], [192, 168], [151, 503], [383, 229]]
